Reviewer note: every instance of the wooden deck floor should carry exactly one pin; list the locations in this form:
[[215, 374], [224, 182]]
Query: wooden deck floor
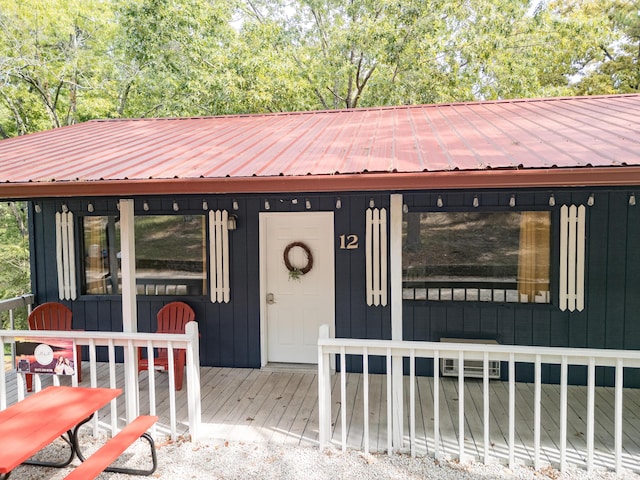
[[280, 407]]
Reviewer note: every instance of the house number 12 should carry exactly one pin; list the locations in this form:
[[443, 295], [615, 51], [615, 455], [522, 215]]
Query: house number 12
[[348, 242]]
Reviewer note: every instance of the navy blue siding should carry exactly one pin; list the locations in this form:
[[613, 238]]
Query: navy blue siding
[[611, 318], [230, 333]]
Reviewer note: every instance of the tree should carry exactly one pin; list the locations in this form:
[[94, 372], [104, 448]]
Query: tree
[[14, 256], [66, 61], [261, 73], [172, 56], [52, 56], [383, 52], [512, 50], [615, 66], [341, 48]]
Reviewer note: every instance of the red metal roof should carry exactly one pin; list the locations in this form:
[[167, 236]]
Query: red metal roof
[[508, 143]]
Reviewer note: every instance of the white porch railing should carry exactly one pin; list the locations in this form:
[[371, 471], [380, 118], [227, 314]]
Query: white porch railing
[[18, 303], [10, 306], [129, 342], [391, 350]]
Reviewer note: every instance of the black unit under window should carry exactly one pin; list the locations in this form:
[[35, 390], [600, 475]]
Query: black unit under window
[[500, 256], [170, 255]]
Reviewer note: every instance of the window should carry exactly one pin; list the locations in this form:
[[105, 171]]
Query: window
[[477, 256], [101, 257], [170, 255]]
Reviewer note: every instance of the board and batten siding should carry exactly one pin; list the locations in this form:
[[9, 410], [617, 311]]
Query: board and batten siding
[[611, 318], [230, 332]]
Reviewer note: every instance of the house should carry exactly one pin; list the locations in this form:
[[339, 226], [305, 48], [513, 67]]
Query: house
[[508, 221]]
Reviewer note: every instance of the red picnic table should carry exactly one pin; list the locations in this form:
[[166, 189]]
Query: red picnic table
[[33, 423]]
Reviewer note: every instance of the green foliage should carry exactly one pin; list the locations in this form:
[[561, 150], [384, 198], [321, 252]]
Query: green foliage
[[615, 66], [54, 63], [14, 258], [175, 54], [66, 61], [382, 52]]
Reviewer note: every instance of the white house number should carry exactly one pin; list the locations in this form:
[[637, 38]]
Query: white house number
[[348, 242]]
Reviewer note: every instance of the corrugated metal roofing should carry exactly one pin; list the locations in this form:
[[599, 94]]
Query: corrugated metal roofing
[[140, 155]]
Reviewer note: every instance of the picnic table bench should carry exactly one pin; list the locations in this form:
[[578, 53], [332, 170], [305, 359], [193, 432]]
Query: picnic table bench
[[110, 451], [33, 423]]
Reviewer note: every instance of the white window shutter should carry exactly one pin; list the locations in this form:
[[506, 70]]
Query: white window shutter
[[376, 256], [219, 256], [65, 256], [572, 257]]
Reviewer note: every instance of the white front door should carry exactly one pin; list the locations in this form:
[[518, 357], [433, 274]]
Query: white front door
[[294, 308]]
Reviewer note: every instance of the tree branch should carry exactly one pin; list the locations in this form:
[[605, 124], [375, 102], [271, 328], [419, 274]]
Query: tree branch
[[256, 12], [315, 88], [43, 95], [19, 219], [606, 52], [335, 94], [122, 101], [21, 127], [323, 36]]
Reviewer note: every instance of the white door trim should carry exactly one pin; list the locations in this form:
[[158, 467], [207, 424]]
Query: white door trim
[[263, 217]]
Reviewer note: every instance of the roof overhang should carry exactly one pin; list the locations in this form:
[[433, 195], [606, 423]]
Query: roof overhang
[[530, 143], [482, 179]]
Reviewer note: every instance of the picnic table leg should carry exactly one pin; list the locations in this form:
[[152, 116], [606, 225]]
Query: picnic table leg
[[76, 444], [129, 471], [70, 441], [134, 471], [73, 444]]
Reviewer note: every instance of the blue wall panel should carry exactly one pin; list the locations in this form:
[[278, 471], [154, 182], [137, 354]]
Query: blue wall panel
[[611, 318], [230, 333]]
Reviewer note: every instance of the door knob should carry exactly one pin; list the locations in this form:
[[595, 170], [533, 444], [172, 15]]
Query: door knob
[[270, 299]]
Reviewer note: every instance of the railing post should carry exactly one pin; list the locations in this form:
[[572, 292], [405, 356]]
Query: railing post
[[397, 372], [436, 404], [193, 380], [12, 326], [537, 407], [324, 390], [3, 385], [343, 397], [131, 382], [512, 410], [129, 306], [365, 374], [112, 384], [390, 417], [461, 406], [563, 413], [591, 394], [618, 415], [486, 411], [172, 392]]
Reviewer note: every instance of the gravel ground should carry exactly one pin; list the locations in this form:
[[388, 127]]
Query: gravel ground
[[225, 460]]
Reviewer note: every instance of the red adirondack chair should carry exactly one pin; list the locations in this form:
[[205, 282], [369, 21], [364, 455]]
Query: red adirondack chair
[[52, 316], [172, 318]]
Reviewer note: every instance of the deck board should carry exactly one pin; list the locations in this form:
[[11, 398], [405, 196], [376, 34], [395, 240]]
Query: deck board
[[424, 421], [281, 407], [355, 422], [291, 407], [377, 413]]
